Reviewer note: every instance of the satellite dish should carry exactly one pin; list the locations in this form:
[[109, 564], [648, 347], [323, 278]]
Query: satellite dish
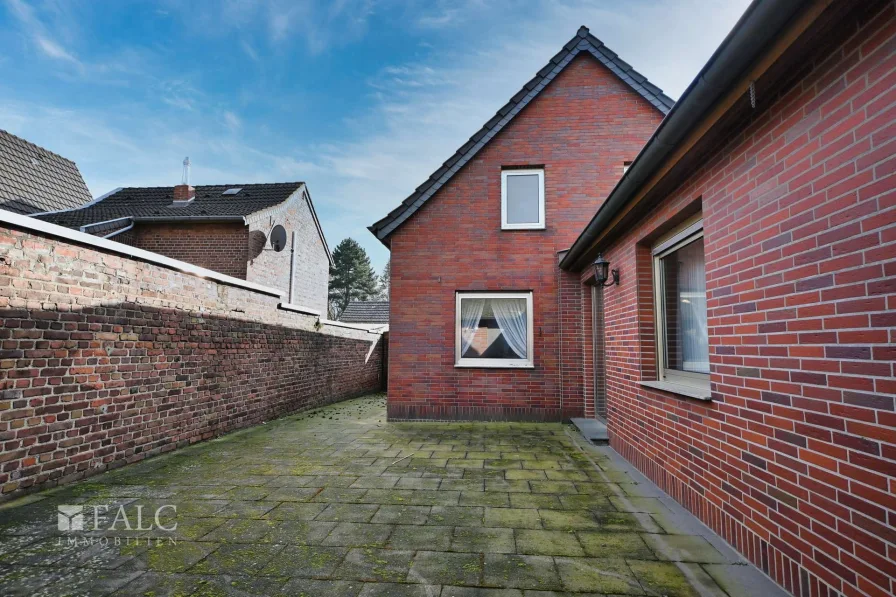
[[278, 238]]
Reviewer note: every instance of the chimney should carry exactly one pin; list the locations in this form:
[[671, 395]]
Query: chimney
[[184, 193]]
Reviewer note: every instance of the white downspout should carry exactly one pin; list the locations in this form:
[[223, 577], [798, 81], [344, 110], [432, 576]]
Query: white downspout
[[292, 264]]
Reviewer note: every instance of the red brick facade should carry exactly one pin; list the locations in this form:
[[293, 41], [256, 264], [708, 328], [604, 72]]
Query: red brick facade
[[581, 129], [221, 247], [106, 360], [794, 460]]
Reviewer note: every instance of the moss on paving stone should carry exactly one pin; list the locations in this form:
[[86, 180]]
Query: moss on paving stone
[[513, 518], [337, 502], [165, 557], [483, 540], [548, 543], [520, 571], [684, 548], [599, 575], [614, 545], [662, 578]]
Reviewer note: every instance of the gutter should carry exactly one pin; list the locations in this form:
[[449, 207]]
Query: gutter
[[85, 227], [762, 21], [122, 231], [190, 219]]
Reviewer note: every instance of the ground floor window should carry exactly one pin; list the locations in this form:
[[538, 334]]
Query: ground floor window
[[682, 331], [493, 329]]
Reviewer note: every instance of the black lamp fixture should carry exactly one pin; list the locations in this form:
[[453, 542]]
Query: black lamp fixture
[[601, 269]]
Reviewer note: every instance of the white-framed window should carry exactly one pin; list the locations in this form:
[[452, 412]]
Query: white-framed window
[[493, 329], [681, 321], [522, 199]]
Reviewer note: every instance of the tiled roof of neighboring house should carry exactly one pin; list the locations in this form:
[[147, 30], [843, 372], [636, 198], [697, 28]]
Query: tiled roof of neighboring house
[[582, 42], [155, 203], [33, 179], [366, 312], [110, 228]]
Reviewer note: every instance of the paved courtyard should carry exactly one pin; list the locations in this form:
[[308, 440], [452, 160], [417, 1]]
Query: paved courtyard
[[340, 503]]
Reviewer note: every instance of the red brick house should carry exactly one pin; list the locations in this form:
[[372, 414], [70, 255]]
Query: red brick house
[[745, 359], [224, 228], [476, 320], [731, 315]]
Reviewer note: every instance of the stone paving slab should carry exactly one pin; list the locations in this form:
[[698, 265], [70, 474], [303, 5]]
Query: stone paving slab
[[338, 502]]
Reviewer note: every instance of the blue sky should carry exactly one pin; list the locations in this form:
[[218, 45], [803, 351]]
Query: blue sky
[[360, 99]]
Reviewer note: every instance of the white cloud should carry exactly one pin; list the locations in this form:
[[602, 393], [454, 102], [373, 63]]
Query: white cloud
[[45, 41], [179, 93], [319, 25], [249, 50], [232, 121], [54, 50]]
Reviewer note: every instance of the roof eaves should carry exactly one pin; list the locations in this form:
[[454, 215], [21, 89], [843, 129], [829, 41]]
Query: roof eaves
[[320, 230]]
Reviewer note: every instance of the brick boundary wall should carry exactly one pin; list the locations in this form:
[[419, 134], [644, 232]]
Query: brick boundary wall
[[106, 359], [794, 460]]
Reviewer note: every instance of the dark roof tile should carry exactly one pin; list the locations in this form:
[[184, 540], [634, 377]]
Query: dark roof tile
[[156, 202], [33, 179], [366, 312]]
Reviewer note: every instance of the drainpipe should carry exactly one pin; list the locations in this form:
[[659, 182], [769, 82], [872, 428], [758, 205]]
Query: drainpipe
[[292, 264]]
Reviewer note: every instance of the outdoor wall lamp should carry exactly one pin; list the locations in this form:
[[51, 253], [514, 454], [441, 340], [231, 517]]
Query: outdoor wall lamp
[[601, 269]]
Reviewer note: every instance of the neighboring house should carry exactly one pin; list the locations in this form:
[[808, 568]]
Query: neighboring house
[[732, 307], [475, 323], [372, 312], [224, 228], [33, 179]]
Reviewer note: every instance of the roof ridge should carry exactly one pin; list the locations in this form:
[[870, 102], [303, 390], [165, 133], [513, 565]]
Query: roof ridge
[[582, 41], [226, 184], [36, 146]]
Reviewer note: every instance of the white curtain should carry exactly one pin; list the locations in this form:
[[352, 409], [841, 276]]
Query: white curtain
[[692, 308], [511, 317], [470, 314]]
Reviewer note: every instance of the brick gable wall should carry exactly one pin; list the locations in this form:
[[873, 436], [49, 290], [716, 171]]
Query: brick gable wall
[[582, 128], [221, 247], [106, 360], [794, 461]]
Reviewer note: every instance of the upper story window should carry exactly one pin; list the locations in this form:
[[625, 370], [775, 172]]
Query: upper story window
[[682, 328], [522, 199], [493, 329]]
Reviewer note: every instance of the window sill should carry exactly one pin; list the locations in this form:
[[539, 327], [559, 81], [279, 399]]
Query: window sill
[[495, 366], [523, 227], [695, 392]]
